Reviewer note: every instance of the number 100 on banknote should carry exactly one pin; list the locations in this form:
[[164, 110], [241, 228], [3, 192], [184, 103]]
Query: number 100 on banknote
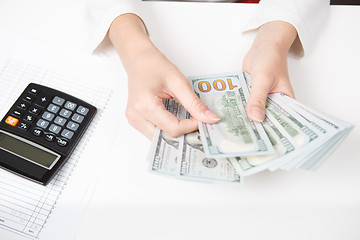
[[235, 134]]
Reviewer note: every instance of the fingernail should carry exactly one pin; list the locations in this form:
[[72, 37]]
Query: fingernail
[[257, 114], [211, 115]]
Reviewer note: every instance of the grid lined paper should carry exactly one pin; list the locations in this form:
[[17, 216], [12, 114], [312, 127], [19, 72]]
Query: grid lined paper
[[25, 206]]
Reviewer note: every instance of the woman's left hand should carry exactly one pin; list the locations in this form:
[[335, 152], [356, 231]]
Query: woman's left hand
[[266, 62]]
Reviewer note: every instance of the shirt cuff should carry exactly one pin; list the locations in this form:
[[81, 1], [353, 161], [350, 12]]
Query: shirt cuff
[[306, 16], [297, 48]]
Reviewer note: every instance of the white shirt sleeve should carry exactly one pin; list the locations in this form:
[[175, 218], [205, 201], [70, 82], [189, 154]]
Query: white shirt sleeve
[[99, 16], [306, 16]]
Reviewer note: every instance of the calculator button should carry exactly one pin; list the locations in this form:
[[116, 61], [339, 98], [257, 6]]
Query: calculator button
[[50, 137], [11, 121], [66, 133], [58, 101], [35, 110], [82, 110], [62, 142], [37, 132], [65, 113], [72, 126], [54, 128], [29, 118], [34, 91], [48, 116], [60, 121], [24, 126], [42, 123], [77, 118], [41, 101], [28, 98], [70, 105], [17, 113], [53, 108], [23, 106]]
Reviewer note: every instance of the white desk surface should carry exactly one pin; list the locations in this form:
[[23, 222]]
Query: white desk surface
[[204, 38]]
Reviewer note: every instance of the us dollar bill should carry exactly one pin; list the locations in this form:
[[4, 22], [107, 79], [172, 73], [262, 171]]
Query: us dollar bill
[[291, 122], [324, 131], [307, 131], [183, 157], [333, 129], [235, 134], [292, 135], [282, 143], [164, 151], [303, 134], [194, 164]]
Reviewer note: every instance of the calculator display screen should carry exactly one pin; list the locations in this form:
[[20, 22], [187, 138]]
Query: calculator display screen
[[27, 150]]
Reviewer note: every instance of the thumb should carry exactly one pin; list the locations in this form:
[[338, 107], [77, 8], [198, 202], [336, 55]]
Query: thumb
[[256, 104], [193, 104]]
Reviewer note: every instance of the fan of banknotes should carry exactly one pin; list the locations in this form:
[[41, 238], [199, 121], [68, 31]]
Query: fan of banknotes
[[291, 136]]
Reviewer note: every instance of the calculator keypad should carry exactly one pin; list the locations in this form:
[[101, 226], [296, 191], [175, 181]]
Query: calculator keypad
[[56, 119], [45, 124]]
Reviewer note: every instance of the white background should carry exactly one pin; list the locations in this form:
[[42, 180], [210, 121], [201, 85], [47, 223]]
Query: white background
[[205, 38]]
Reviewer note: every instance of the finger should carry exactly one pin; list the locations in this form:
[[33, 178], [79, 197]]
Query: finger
[[169, 123], [183, 92], [260, 89], [141, 124]]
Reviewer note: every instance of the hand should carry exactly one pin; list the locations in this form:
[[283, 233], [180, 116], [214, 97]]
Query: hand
[[266, 62], [152, 77]]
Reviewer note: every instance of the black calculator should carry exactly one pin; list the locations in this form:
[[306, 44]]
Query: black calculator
[[41, 130]]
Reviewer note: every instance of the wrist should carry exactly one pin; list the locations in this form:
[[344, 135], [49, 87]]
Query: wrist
[[128, 34], [279, 35], [130, 38]]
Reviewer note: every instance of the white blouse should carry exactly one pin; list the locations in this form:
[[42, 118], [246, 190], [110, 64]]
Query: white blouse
[[306, 16]]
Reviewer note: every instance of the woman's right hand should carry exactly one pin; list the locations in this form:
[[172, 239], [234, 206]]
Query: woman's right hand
[[152, 77]]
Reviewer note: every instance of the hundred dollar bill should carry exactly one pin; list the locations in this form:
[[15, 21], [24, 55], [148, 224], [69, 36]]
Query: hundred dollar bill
[[322, 155], [235, 134], [311, 147], [334, 129], [325, 132], [282, 143], [194, 164], [306, 136], [164, 152], [297, 129]]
